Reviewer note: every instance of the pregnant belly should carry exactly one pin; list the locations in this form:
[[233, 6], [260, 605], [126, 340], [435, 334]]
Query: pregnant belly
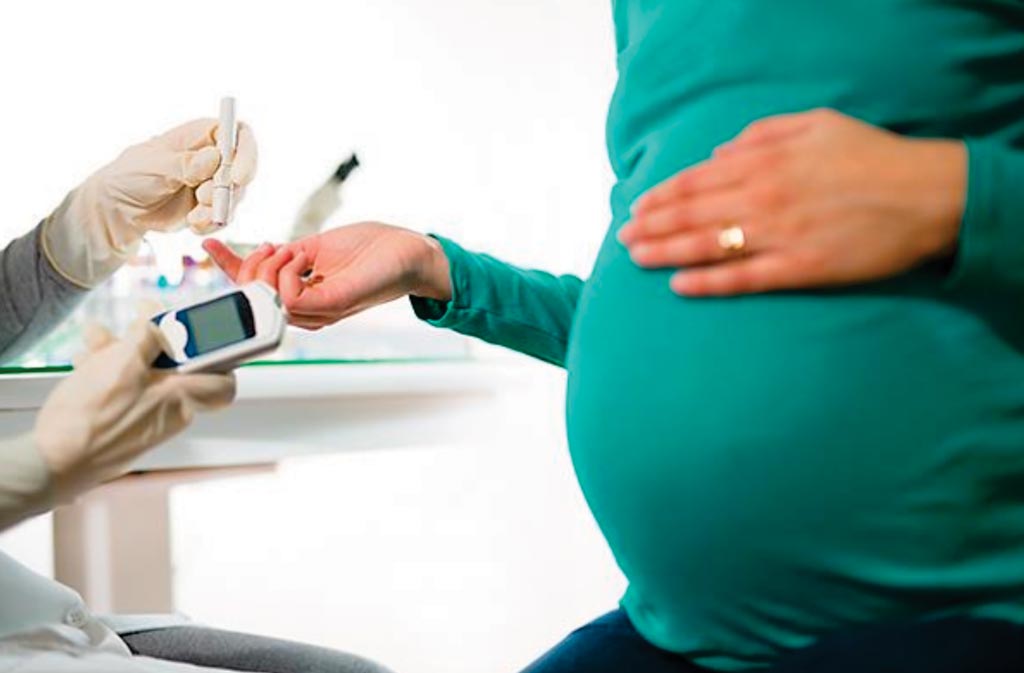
[[786, 459]]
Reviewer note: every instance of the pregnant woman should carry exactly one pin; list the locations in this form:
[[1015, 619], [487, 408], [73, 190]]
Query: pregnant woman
[[796, 373]]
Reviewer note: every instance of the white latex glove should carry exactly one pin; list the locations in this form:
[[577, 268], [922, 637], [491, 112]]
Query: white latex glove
[[114, 406], [163, 184]]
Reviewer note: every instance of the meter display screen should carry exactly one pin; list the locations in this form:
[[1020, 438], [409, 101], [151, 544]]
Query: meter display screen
[[218, 323]]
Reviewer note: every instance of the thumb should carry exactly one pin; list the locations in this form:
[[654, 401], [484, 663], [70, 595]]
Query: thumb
[[147, 339], [192, 135], [96, 337], [160, 172], [199, 166]]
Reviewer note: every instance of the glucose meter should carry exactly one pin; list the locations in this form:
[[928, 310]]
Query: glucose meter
[[223, 331]]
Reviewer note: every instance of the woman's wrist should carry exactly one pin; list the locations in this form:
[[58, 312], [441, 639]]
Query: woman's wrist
[[943, 165], [434, 272]]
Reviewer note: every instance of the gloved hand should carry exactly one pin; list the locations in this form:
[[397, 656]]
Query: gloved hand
[[161, 185], [115, 406]]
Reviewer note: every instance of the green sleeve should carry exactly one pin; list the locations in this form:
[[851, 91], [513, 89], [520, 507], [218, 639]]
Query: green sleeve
[[527, 311], [990, 251]]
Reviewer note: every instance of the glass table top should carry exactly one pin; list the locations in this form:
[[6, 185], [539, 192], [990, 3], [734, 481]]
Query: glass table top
[[386, 335]]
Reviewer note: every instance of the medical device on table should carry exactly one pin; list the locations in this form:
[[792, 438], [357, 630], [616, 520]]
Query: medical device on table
[[322, 203], [223, 331]]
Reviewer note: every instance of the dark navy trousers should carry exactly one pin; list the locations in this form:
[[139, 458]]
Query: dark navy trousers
[[952, 645]]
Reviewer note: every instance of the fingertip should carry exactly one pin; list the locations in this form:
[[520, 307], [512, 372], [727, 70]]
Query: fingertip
[[627, 234], [223, 256], [148, 339], [200, 220], [681, 284], [191, 135], [641, 255]]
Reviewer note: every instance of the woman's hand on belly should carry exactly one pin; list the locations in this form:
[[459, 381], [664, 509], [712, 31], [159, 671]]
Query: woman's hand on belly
[[806, 200]]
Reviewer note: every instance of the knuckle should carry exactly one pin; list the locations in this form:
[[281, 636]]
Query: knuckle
[[709, 248], [670, 218], [691, 250], [739, 279], [758, 127], [769, 195], [797, 225], [815, 262]]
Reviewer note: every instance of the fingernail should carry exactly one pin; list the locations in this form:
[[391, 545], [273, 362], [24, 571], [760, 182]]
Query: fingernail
[[678, 285]]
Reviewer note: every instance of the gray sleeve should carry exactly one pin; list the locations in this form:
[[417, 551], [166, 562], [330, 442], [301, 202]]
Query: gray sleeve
[[34, 297]]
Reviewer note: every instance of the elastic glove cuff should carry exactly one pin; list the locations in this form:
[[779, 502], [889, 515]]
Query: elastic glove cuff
[[78, 245]]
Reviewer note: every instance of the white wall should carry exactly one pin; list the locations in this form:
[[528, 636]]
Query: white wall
[[482, 119]]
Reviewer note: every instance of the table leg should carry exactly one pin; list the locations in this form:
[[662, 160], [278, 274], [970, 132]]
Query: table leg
[[113, 546]]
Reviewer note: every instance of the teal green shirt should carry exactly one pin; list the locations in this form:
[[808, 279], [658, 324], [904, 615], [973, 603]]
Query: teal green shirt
[[767, 469]]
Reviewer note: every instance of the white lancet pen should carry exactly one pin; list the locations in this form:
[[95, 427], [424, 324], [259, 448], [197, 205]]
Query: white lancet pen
[[226, 141]]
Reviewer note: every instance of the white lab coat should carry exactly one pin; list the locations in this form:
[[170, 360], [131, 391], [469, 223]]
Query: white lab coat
[[59, 648], [44, 626]]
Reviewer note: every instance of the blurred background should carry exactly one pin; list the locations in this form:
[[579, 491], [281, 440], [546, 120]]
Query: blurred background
[[483, 121]]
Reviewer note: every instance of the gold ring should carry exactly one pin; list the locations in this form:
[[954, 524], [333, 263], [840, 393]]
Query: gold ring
[[732, 239]]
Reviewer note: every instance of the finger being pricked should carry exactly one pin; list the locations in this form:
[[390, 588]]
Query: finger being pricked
[[224, 257]]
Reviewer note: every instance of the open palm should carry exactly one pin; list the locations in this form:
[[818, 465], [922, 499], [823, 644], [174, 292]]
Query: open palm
[[333, 275]]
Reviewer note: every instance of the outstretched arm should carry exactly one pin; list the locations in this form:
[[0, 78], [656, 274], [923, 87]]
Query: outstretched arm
[[525, 310], [325, 278]]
